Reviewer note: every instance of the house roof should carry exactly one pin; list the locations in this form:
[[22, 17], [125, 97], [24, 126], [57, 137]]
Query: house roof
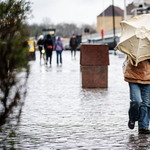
[[108, 11], [129, 8]]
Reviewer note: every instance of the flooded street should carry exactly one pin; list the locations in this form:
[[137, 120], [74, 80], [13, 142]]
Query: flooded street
[[60, 114]]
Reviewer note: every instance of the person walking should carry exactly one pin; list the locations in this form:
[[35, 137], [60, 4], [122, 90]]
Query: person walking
[[48, 45], [59, 48], [40, 43], [138, 78], [73, 44]]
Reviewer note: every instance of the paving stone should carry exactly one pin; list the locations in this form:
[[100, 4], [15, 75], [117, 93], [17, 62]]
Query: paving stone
[[60, 114]]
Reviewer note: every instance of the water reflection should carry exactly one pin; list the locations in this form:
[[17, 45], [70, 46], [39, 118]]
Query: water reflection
[[139, 141]]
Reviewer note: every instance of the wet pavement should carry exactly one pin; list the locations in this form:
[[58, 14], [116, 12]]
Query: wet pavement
[[60, 114]]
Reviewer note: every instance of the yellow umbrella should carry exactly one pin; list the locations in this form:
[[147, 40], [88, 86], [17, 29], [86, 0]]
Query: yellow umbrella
[[135, 38]]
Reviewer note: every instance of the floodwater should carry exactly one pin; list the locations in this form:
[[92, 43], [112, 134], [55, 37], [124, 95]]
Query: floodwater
[[60, 114]]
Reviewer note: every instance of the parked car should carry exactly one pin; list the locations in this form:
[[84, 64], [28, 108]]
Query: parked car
[[68, 48], [108, 40]]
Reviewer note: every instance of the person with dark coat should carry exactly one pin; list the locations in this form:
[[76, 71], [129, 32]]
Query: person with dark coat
[[40, 43], [73, 45], [59, 48], [48, 45]]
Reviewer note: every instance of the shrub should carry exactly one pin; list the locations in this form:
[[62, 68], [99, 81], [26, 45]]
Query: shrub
[[14, 67]]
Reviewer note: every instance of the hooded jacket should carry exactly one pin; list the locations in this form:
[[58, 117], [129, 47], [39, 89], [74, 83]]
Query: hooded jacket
[[138, 74], [48, 41], [58, 45]]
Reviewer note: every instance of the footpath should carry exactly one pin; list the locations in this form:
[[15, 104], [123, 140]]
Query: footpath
[[60, 114]]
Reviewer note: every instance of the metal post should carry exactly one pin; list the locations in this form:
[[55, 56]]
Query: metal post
[[135, 12], [103, 22], [125, 11], [113, 12]]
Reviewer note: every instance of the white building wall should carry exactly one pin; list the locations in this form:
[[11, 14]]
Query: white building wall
[[141, 2]]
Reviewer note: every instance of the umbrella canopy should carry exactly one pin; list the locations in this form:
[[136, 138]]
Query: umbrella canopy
[[135, 38]]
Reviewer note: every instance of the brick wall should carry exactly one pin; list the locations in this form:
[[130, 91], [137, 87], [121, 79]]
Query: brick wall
[[94, 60]]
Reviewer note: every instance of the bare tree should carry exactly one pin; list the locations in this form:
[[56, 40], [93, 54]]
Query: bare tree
[[46, 23], [62, 29]]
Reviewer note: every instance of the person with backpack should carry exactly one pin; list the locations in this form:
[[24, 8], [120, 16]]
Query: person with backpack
[[59, 48], [73, 45], [48, 45]]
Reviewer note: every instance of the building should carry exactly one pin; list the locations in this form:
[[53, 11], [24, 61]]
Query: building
[[129, 9], [105, 19]]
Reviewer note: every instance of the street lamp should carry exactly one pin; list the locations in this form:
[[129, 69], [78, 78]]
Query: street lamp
[[113, 12], [125, 12]]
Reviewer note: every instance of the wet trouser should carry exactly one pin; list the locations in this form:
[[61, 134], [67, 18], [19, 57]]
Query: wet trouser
[[73, 49], [49, 54], [59, 54], [40, 49], [140, 104]]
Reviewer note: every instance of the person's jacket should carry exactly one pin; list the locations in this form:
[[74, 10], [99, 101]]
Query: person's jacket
[[139, 74], [48, 41], [76, 42], [40, 43], [58, 45]]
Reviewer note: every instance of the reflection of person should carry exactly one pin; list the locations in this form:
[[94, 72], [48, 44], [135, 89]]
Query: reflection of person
[[48, 45], [139, 84], [73, 44], [59, 48], [41, 45]]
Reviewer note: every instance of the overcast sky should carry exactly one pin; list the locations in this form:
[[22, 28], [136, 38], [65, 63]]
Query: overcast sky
[[71, 11]]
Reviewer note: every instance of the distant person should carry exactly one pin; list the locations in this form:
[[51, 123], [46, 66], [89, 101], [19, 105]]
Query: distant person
[[41, 45], [73, 45], [48, 45], [59, 48]]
